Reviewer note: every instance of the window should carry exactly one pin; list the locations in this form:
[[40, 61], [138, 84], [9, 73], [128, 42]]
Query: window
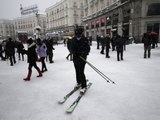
[[97, 23], [103, 21], [153, 9]]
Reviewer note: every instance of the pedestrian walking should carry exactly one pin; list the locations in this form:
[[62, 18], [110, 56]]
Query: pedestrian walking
[[98, 38], [103, 44], [20, 48], [32, 58], [42, 53], [50, 49], [69, 47], [107, 39], [10, 51], [119, 47], [147, 45]]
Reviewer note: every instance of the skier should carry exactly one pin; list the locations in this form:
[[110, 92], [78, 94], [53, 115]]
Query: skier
[[80, 48], [42, 53], [32, 58]]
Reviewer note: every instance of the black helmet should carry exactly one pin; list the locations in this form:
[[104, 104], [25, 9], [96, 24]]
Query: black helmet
[[79, 30]]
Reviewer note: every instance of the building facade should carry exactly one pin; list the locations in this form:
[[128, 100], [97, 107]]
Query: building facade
[[62, 16], [130, 18], [6, 29], [30, 23]]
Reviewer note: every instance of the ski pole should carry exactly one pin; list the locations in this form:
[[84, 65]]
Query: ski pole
[[103, 75], [98, 71]]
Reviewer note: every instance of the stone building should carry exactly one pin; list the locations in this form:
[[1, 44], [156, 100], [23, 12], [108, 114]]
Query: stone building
[[29, 23], [6, 29], [62, 16], [130, 18]]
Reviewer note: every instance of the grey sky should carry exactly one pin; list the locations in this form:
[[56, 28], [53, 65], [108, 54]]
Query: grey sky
[[9, 9]]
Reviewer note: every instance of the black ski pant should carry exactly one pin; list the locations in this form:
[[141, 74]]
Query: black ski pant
[[79, 65]]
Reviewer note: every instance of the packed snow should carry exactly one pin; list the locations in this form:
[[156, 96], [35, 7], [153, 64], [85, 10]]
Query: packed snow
[[135, 96]]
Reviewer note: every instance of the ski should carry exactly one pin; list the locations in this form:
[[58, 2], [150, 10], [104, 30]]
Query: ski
[[68, 95], [75, 103], [64, 99]]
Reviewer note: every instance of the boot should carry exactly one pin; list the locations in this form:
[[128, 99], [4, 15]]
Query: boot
[[40, 73], [28, 76]]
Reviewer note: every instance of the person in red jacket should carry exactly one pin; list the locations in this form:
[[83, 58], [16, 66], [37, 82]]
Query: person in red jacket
[[32, 58]]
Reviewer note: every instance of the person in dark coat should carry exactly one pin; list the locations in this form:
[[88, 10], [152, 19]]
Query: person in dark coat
[[103, 44], [69, 47], [32, 58], [98, 38], [107, 39], [90, 40], [20, 48], [147, 45], [113, 40], [10, 51], [119, 47], [50, 49], [80, 48]]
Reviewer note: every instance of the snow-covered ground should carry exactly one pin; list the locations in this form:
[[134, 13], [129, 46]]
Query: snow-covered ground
[[136, 95]]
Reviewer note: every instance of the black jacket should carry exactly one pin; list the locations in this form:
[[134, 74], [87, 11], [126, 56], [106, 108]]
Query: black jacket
[[119, 43], [10, 48], [31, 53], [146, 40], [80, 46]]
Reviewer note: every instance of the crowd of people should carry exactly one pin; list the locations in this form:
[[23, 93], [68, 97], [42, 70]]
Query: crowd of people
[[37, 50], [118, 43], [78, 47]]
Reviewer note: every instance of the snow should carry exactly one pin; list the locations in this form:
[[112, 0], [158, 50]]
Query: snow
[[135, 96]]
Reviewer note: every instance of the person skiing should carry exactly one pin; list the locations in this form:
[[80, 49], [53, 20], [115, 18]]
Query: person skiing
[[32, 58], [42, 53], [80, 48]]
